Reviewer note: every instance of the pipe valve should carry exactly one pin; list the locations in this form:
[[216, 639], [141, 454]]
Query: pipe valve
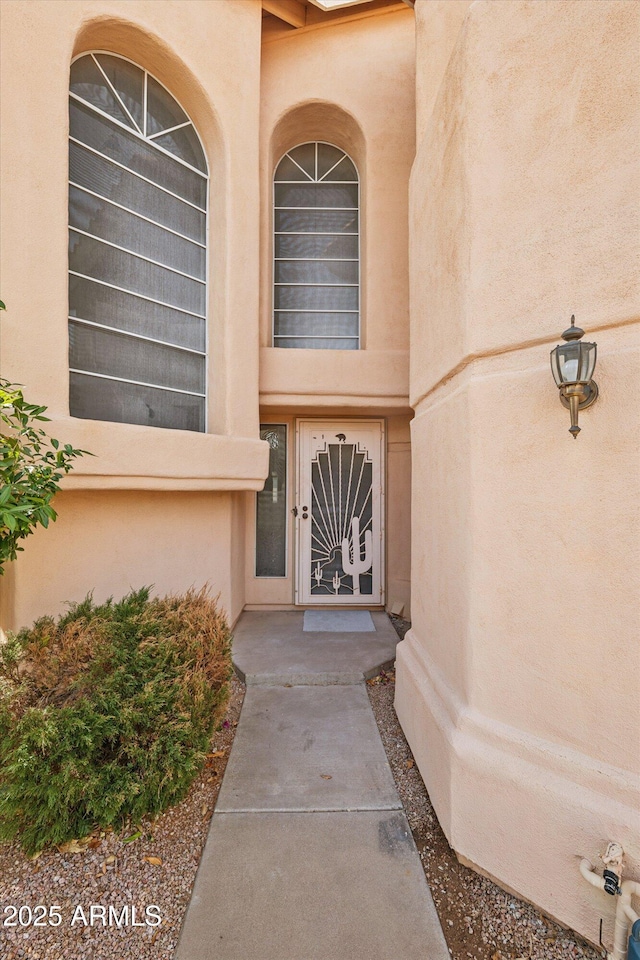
[[611, 882], [612, 874]]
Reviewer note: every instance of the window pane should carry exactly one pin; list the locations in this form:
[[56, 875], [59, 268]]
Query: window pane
[[288, 170], [136, 154], [99, 175], [271, 506], [87, 82], [128, 80], [96, 399], [316, 266], [328, 156], [344, 171], [117, 355], [184, 143], [305, 245], [316, 195], [316, 271], [111, 223], [316, 298], [316, 221], [113, 308], [95, 259], [305, 156], [162, 110], [137, 291], [316, 324], [322, 343]]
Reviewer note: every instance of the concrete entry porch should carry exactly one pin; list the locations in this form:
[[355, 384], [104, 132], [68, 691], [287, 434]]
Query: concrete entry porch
[[277, 648], [309, 853]]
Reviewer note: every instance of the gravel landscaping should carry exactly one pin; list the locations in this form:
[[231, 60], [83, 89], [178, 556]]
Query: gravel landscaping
[[156, 863], [480, 920], [157, 867]]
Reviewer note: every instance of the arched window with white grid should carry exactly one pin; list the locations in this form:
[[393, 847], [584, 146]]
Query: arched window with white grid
[[138, 186], [316, 299]]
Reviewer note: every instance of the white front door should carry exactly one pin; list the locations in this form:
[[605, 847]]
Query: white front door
[[339, 512]]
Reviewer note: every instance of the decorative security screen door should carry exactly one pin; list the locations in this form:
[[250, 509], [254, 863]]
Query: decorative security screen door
[[339, 512]]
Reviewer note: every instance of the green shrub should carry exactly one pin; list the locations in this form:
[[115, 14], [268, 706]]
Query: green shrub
[[106, 715], [31, 467]]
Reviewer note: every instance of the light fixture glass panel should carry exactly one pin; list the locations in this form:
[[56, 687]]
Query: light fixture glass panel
[[271, 506], [587, 360]]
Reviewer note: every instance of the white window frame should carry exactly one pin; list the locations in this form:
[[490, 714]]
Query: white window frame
[[141, 135], [275, 337]]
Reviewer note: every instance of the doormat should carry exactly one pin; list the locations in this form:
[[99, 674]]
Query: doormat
[[338, 621]]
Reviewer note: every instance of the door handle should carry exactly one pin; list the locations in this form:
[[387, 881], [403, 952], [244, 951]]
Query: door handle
[[294, 511]]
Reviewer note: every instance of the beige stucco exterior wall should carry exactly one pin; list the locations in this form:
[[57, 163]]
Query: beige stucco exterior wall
[[109, 542], [208, 55], [364, 103], [351, 84], [518, 684]]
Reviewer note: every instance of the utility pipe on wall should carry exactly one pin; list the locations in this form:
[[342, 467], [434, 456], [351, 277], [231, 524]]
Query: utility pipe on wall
[[625, 914]]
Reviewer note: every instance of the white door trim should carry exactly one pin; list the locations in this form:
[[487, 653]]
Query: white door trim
[[304, 455]]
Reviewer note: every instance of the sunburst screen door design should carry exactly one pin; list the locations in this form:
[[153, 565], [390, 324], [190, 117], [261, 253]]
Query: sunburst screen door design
[[339, 512]]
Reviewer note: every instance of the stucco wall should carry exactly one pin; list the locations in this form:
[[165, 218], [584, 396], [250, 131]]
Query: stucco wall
[[517, 686], [351, 84], [208, 56], [109, 542]]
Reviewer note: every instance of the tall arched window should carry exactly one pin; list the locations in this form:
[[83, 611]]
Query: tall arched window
[[137, 250], [316, 302]]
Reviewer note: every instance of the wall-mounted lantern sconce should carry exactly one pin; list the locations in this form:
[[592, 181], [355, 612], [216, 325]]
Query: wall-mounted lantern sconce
[[572, 365]]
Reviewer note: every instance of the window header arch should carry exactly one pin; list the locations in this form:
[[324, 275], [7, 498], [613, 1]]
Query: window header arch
[[132, 97]]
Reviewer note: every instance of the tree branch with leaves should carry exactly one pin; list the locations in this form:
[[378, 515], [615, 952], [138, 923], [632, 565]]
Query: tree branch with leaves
[[31, 467]]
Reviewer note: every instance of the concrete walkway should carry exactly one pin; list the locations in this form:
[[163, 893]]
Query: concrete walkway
[[309, 854]]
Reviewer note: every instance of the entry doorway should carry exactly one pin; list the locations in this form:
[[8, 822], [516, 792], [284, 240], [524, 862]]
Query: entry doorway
[[339, 512]]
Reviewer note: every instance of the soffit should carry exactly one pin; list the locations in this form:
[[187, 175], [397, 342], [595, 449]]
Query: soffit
[[281, 17]]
